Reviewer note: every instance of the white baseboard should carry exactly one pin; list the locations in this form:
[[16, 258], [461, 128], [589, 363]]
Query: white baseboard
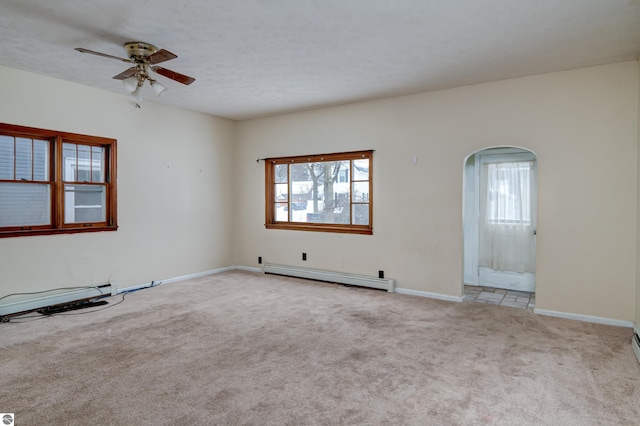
[[248, 269], [429, 295], [346, 278], [176, 279], [396, 289], [197, 275], [584, 318]]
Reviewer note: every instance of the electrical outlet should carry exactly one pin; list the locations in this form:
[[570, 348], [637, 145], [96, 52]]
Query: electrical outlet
[[380, 274], [304, 256], [260, 260]]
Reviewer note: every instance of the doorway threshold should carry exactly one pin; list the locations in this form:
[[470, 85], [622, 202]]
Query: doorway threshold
[[498, 296]]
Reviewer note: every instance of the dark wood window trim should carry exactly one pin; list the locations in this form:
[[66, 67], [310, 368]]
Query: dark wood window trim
[[272, 203], [56, 181]]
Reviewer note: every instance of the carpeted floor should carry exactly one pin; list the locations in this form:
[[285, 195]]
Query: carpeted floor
[[247, 349]]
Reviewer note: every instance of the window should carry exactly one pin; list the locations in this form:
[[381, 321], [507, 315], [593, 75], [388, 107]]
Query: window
[[330, 192], [53, 182], [509, 193]]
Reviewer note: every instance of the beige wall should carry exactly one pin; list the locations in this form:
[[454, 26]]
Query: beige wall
[[637, 316], [580, 123], [173, 189], [178, 211]]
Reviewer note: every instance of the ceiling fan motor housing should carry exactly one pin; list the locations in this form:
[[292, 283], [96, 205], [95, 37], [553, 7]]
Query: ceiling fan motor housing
[[139, 50]]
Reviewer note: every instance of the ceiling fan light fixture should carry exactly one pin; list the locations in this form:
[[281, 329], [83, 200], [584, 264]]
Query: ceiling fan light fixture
[[130, 84], [136, 96], [158, 88]]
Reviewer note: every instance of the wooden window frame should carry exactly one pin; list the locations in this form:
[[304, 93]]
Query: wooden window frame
[[270, 198], [57, 183]]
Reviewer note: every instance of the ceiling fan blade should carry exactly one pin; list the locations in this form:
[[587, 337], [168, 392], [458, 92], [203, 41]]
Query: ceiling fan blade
[[180, 78], [126, 73], [160, 56], [80, 49]]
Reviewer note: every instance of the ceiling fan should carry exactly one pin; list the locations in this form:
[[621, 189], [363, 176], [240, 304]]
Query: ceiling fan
[[144, 56]]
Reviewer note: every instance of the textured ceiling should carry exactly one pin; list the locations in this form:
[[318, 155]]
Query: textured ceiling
[[254, 58]]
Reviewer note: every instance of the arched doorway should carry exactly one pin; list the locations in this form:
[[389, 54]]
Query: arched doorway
[[500, 197]]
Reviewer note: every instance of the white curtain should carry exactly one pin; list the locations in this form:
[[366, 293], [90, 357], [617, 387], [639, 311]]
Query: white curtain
[[506, 236]]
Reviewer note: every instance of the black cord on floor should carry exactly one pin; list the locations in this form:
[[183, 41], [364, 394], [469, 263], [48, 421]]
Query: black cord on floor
[[95, 310], [9, 318], [28, 318]]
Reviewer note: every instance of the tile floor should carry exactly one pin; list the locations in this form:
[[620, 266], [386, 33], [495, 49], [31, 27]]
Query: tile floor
[[497, 296]]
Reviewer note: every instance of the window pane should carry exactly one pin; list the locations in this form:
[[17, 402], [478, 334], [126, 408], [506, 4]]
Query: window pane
[[361, 169], [282, 212], [281, 191], [304, 187], [509, 193], [40, 160], [97, 164], [84, 163], [6, 157], [84, 203], [24, 204], [69, 162], [361, 214], [324, 193], [361, 192], [23, 159], [282, 171], [330, 197]]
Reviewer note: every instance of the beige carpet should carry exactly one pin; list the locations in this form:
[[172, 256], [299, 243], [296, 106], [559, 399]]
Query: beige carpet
[[248, 349]]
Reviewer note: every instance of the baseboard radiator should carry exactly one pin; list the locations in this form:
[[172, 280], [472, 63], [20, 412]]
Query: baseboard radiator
[[24, 303], [635, 344], [330, 276]]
